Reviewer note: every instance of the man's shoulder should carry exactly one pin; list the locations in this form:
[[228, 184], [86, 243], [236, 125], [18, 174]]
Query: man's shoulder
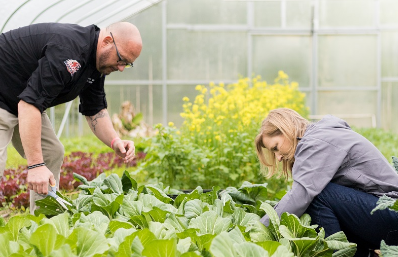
[[51, 28], [70, 31], [63, 34]]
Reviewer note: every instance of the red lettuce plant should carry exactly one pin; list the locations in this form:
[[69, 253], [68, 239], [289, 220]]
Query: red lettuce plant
[[13, 184]]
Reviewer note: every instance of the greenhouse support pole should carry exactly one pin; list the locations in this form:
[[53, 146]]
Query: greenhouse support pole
[[378, 61], [137, 99], [250, 22], [80, 124], [314, 82], [65, 118], [164, 61], [52, 116], [150, 92], [283, 14]]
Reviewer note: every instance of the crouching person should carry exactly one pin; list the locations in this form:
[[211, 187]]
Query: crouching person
[[338, 176]]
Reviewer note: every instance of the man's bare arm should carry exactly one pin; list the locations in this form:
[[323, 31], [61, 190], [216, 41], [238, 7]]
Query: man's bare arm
[[29, 118], [102, 127]]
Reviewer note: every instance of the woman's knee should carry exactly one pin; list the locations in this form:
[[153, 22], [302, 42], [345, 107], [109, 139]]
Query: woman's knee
[[326, 196], [322, 208]]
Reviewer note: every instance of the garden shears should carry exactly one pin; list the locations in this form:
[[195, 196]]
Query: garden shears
[[53, 193]]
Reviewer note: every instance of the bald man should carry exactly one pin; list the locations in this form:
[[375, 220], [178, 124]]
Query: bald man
[[47, 64]]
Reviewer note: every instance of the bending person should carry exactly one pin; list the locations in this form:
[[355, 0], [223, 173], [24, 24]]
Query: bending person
[[338, 176], [47, 64]]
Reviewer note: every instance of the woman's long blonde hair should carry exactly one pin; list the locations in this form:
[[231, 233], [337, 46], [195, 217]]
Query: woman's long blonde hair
[[280, 121]]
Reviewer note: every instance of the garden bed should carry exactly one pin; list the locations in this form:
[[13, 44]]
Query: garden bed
[[114, 217]]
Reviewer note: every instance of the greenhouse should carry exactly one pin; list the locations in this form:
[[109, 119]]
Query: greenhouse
[[194, 168], [342, 53]]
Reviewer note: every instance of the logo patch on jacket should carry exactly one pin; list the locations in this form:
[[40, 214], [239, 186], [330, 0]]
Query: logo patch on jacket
[[72, 66]]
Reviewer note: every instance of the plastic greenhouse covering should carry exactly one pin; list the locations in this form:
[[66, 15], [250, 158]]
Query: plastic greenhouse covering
[[17, 13], [342, 53]]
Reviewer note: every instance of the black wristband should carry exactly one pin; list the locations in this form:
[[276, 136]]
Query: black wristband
[[36, 165]]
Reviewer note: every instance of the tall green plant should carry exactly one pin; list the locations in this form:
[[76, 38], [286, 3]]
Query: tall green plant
[[226, 119], [175, 160], [215, 145]]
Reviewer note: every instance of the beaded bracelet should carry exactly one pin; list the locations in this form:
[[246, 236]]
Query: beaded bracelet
[[36, 165]]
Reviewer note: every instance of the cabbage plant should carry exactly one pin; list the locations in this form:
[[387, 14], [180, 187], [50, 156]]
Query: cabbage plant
[[112, 216]]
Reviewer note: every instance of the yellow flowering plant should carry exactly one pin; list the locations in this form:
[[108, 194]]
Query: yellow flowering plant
[[219, 111], [226, 120], [215, 144]]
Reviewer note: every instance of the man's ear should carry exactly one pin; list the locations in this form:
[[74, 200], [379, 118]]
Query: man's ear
[[106, 41]]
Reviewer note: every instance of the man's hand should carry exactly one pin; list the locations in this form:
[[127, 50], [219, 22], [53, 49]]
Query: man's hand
[[38, 179], [125, 149]]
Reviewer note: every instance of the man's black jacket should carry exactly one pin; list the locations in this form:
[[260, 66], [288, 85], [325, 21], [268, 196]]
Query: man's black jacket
[[48, 64]]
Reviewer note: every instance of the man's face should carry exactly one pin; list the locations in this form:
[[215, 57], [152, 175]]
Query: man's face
[[107, 61]]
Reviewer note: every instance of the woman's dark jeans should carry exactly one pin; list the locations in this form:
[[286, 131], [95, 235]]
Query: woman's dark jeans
[[340, 208]]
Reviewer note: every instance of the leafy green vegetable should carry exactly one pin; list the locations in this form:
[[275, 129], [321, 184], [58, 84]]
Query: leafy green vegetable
[[388, 251], [161, 248], [128, 182], [44, 238], [395, 162], [108, 204], [114, 183], [385, 202], [88, 242], [210, 223], [60, 223], [7, 245], [114, 218]]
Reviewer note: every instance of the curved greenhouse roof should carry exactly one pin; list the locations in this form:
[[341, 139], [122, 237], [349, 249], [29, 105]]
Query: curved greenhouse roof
[[18, 13]]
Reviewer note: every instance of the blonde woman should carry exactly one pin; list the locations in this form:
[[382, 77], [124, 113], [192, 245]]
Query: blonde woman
[[338, 176]]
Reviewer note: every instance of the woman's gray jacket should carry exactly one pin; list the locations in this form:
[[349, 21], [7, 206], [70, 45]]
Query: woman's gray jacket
[[330, 151]]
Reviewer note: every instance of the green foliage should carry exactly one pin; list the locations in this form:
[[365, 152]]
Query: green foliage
[[182, 163], [388, 251], [132, 124], [145, 221], [174, 160], [383, 203], [215, 144], [14, 159], [91, 144], [87, 144], [395, 162], [385, 141], [304, 240]]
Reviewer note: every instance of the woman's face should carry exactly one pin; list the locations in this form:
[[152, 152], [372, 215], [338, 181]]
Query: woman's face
[[279, 145]]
